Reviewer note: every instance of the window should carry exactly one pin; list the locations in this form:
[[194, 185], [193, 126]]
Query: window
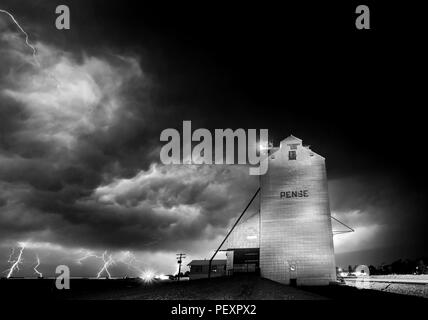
[[292, 155], [293, 146]]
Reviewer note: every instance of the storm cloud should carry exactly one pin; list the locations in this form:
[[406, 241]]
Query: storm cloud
[[72, 172]]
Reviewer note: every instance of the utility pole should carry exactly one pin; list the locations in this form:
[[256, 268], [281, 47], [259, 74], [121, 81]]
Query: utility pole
[[180, 257]]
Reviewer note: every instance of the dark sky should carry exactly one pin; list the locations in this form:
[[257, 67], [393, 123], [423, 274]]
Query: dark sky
[[79, 144]]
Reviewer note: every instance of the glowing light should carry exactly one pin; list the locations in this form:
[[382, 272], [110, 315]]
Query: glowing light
[[263, 146], [162, 277], [27, 41], [148, 276], [15, 263], [39, 274]]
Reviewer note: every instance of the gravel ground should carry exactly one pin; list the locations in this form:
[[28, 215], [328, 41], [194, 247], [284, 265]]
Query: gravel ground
[[419, 290], [402, 276], [235, 288]]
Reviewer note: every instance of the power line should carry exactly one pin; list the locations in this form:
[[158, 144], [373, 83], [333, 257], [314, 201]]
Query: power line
[[243, 212]]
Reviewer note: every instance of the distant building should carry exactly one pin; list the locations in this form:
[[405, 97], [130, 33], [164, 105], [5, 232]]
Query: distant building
[[199, 268], [290, 239]]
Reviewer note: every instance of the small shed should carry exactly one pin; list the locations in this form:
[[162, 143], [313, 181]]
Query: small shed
[[199, 268]]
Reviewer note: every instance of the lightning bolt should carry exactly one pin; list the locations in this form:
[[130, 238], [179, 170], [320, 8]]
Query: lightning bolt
[[12, 252], [27, 38], [39, 274], [125, 257], [15, 263], [129, 259], [107, 263], [87, 254]]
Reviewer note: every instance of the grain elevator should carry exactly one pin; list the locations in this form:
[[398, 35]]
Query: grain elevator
[[290, 238]]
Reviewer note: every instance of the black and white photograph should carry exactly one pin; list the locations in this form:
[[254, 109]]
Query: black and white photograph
[[212, 157]]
